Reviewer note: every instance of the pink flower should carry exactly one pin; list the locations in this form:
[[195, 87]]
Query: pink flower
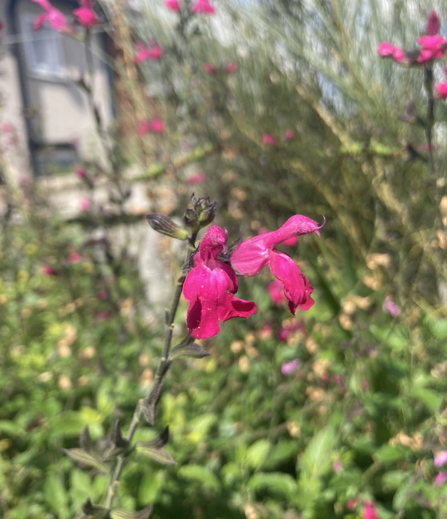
[[208, 68], [441, 90], [351, 504], [231, 67], [369, 511], [254, 254], [289, 135], [144, 127], [433, 24], [441, 459], [337, 466], [433, 47], [291, 242], [7, 127], [276, 291], [391, 307], [173, 5], [145, 53], [155, 126], [267, 138], [199, 178], [85, 203], [203, 7], [81, 173], [86, 15], [56, 18], [75, 257], [388, 50], [210, 288], [440, 479], [48, 270], [290, 367]]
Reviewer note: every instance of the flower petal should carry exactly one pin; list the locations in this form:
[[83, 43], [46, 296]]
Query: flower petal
[[251, 256]]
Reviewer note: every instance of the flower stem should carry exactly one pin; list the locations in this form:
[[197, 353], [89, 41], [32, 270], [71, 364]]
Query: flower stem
[[162, 369]]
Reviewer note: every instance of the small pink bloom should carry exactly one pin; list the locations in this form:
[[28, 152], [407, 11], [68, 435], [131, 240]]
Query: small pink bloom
[[291, 242], [433, 24], [267, 138], [391, 307], [369, 511], [203, 7], [210, 287], [53, 16], [254, 254], [7, 127], [48, 270], [75, 257], [441, 459], [433, 47], [289, 135], [351, 504], [231, 67], [81, 173], [86, 15], [440, 479], [85, 203], [145, 53], [441, 90], [337, 466], [199, 178], [276, 291], [173, 5], [157, 126], [290, 367], [144, 127], [388, 50], [208, 68]]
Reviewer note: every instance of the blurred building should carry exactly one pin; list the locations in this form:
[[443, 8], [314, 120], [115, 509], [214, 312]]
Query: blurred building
[[44, 106]]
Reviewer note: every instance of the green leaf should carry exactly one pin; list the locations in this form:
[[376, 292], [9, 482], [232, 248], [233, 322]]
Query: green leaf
[[439, 328], [189, 350], [159, 455], [56, 495], [390, 453], [150, 486], [316, 459], [125, 514], [201, 475], [92, 459], [257, 453], [276, 482]]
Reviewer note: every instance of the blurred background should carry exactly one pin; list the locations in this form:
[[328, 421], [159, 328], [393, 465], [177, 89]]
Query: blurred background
[[272, 108]]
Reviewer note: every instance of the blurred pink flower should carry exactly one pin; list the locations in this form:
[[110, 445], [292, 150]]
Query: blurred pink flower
[[210, 287], [288, 329], [231, 67], [369, 511], [144, 127], [276, 291], [198, 178], [433, 47], [48, 270], [145, 53], [290, 367], [440, 479], [391, 307], [86, 15], [433, 24], [53, 16], [208, 68], [441, 459], [81, 173], [267, 138], [173, 5], [85, 203], [289, 135], [75, 257], [203, 7], [7, 127], [337, 466], [351, 504], [441, 90], [388, 50], [155, 126], [254, 254]]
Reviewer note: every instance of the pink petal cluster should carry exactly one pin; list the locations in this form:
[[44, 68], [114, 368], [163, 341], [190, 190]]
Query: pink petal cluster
[[433, 47], [209, 68], [86, 15], [145, 53], [81, 173], [231, 67], [391, 307], [85, 203], [441, 459], [369, 511], [388, 50], [155, 126], [210, 287], [440, 479], [173, 5], [75, 257], [289, 135], [198, 178], [48, 270], [203, 7], [276, 291], [433, 24], [288, 368], [254, 254], [269, 139], [7, 127], [53, 16]]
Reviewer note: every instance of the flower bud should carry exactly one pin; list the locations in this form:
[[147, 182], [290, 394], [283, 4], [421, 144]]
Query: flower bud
[[164, 225], [199, 213]]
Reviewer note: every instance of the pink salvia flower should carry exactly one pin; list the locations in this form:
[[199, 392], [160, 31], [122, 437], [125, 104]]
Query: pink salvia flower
[[144, 127], [210, 288], [388, 50], [145, 53], [440, 479], [53, 16], [254, 254], [173, 5], [291, 242], [269, 139], [369, 511], [7, 127], [208, 68], [75, 257], [203, 7], [198, 178], [337, 466], [276, 291], [433, 24], [441, 459], [81, 173], [289, 135], [86, 15], [351, 504], [48, 270], [288, 368], [231, 67], [85, 203], [391, 307], [157, 126], [433, 47]]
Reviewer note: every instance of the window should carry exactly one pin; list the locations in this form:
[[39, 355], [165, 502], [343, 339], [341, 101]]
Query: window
[[43, 49]]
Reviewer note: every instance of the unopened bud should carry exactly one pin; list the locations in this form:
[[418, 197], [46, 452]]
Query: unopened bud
[[164, 225], [200, 212]]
